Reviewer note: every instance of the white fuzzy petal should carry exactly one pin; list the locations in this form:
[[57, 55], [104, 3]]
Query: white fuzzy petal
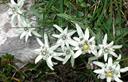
[[113, 53], [66, 59], [58, 28], [91, 39], [77, 54], [54, 47], [76, 39], [26, 37], [13, 2], [67, 43], [124, 69], [22, 35], [105, 39], [65, 30], [40, 42], [49, 62], [76, 48], [20, 3], [72, 61], [72, 42], [102, 76], [100, 52], [117, 46], [79, 31], [59, 58], [71, 33], [105, 56], [38, 58], [110, 61], [117, 67], [109, 79], [36, 33], [110, 44], [37, 51], [14, 20], [117, 79], [86, 36], [99, 71], [56, 36], [46, 40], [119, 57], [100, 64], [20, 20]]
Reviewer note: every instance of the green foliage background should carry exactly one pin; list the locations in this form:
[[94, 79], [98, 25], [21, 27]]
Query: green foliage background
[[101, 16]]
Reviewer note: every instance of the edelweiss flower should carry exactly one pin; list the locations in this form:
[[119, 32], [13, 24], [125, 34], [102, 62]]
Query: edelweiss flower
[[27, 32], [69, 53], [16, 18], [84, 44], [110, 71], [108, 49], [47, 53], [64, 39]]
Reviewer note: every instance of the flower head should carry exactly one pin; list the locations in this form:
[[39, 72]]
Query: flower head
[[69, 53], [16, 6], [27, 32], [110, 70], [84, 43], [47, 53], [108, 49], [64, 38], [17, 12]]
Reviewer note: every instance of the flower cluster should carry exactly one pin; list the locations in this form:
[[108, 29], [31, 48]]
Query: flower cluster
[[70, 45], [19, 20]]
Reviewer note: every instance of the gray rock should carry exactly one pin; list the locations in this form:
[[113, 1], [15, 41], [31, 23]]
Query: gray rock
[[3, 8], [14, 44], [23, 52], [10, 42]]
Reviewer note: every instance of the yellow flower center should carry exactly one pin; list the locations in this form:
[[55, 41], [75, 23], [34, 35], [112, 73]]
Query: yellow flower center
[[85, 47], [109, 74]]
